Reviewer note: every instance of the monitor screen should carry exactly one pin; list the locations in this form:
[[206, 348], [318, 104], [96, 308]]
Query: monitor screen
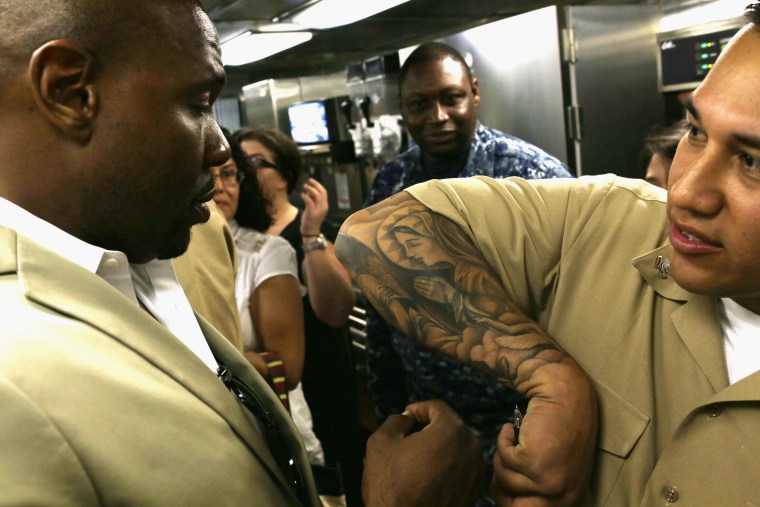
[[308, 123]]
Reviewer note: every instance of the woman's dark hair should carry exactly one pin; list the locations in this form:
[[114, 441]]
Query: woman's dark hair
[[252, 210], [752, 13], [286, 155], [662, 141]]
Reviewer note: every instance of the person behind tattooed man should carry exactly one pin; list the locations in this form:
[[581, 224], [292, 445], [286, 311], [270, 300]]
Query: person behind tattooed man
[[439, 99]]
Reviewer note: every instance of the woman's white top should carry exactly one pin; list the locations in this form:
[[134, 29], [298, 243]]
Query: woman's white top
[[261, 257]]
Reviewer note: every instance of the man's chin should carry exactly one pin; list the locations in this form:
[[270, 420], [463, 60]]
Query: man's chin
[[176, 246], [444, 152]]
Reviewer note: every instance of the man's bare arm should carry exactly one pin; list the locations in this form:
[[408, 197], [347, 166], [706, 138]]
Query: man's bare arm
[[426, 277], [494, 335]]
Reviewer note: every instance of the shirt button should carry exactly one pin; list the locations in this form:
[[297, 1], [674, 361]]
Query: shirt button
[[671, 494], [111, 263], [713, 411]]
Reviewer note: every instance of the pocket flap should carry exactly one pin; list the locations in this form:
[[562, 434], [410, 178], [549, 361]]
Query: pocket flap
[[620, 423]]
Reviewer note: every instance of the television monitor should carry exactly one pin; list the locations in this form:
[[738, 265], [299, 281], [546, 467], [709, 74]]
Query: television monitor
[[308, 122]]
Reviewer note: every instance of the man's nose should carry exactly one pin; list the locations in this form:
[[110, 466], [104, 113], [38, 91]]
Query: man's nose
[[438, 113], [217, 150], [698, 185]]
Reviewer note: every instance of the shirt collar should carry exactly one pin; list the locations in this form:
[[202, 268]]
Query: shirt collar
[[654, 268], [155, 281], [51, 237], [111, 265]]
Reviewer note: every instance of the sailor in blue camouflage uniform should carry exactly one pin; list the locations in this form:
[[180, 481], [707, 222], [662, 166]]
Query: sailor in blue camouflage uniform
[[439, 100], [491, 153]]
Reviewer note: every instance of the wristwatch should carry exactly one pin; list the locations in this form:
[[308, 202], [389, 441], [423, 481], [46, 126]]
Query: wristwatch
[[318, 244]]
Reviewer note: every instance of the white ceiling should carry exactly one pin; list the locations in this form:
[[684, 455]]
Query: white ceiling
[[331, 50]]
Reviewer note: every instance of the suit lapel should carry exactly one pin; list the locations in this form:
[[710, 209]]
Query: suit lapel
[[239, 366], [66, 288]]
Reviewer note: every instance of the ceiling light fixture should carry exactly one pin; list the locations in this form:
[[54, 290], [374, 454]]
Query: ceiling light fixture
[[331, 13], [249, 47], [278, 27], [715, 11]]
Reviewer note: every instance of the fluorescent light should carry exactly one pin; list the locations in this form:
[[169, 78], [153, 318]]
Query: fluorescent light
[[279, 27], [715, 11], [331, 13], [249, 47]]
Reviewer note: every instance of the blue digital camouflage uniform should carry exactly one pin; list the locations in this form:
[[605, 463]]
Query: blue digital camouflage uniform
[[400, 371]]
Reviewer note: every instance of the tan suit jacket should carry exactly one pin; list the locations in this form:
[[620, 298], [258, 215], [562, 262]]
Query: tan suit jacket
[[207, 272], [580, 256], [101, 405]]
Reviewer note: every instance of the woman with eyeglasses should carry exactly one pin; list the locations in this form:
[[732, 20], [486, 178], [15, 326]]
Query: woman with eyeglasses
[[329, 377], [267, 289]]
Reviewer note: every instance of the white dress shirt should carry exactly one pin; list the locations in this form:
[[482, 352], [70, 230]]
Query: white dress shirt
[[153, 284]]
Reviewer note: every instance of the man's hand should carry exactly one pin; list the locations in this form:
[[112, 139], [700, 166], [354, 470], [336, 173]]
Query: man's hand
[[551, 463], [441, 464]]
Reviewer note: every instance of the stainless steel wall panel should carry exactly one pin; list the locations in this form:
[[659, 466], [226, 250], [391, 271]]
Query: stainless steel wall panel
[[517, 63], [264, 101], [323, 87]]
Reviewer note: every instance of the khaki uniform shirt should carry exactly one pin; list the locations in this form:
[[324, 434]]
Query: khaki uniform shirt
[[579, 256]]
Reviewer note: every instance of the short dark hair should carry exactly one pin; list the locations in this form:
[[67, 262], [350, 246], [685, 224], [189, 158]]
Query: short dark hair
[[752, 13], [431, 52], [253, 207], [663, 141], [286, 154], [101, 27]]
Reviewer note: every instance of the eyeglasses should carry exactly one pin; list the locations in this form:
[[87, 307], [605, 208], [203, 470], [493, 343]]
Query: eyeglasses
[[278, 446], [229, 177], [256, 162]]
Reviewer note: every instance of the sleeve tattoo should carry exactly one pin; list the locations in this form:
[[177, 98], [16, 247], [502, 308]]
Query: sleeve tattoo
[[423, 274]]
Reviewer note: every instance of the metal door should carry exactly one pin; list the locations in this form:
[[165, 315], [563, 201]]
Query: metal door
[[517, 63], [611, 63]]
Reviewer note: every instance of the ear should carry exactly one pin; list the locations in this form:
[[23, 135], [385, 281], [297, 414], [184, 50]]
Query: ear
[[476, 91], [62, 75]]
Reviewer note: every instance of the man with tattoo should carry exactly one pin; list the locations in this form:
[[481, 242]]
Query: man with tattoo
[[659, 302], [426, 278], [439, 100]]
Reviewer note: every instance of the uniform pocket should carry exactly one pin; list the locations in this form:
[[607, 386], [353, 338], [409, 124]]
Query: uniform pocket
[[621, 426], [620, 423]]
